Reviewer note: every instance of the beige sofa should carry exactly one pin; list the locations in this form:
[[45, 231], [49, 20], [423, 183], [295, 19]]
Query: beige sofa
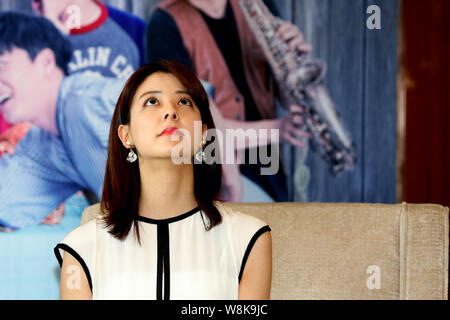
[[353, 251]]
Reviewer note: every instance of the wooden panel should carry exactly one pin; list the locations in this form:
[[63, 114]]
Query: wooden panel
[[380, 106], [285, 8], [324, 23], [312, 19], [361, 80], [446, 117], [427, 53]]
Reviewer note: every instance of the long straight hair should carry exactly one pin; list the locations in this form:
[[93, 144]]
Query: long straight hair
[[122, 183]]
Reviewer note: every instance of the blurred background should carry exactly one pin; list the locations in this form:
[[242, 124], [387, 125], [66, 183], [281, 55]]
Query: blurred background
[[361, 77]]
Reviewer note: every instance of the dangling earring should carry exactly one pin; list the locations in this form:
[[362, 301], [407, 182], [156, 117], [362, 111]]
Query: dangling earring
[[132, 156], [200, 155]]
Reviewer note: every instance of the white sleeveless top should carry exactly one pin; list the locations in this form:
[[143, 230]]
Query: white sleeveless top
[[178, 259]]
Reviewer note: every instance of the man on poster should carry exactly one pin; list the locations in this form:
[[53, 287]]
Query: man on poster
[[65, 151]]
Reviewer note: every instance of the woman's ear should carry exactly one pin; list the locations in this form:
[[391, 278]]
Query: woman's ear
[[124, 135], [204, 131]]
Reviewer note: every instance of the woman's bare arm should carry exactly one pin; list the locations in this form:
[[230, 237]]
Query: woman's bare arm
[[257, 276], [74, 283]]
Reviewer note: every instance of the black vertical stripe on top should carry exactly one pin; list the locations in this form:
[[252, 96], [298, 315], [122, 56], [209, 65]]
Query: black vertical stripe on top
[[159, 267], [163, 263], [165, 251]]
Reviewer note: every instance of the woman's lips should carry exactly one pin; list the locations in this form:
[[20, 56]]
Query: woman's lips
[[170, 131]]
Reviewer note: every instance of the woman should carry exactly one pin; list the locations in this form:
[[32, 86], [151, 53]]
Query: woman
[[162, 234]]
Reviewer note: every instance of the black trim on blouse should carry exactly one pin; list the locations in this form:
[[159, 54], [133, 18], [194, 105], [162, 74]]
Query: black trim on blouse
[[250, 246], [163, 263], [168, 220], [74, 254]]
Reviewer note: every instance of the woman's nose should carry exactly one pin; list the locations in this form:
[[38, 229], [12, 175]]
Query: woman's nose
[[172, 114]]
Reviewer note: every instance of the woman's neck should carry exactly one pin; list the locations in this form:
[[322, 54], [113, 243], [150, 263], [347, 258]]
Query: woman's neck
[[167, 190], [213, 8]]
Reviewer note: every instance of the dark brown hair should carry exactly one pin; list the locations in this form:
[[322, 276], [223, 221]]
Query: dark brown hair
[[122, 183]]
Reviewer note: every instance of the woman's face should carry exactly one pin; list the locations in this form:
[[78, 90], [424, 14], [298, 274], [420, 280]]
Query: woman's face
[[161, 102]]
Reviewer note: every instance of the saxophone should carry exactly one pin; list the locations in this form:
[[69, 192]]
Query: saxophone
[[301, 80]]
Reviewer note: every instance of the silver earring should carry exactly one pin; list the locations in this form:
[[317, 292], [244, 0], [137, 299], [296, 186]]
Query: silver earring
[[132, 156], [200, 155]]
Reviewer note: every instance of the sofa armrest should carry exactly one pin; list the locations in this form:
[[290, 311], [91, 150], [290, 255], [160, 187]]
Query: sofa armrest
[[424, 243]]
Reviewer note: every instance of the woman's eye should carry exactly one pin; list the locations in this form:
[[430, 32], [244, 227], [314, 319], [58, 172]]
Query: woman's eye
[[185, 101], [151, 102]]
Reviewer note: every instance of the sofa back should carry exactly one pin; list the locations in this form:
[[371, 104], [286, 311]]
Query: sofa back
[[353, 251]]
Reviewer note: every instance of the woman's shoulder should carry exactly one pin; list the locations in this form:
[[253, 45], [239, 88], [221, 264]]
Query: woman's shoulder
[[238, 220], [243, 231], [82, 235], [91, 228], [81, 244]]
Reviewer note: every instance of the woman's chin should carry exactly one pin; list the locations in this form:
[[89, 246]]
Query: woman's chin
[[167, 156]]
